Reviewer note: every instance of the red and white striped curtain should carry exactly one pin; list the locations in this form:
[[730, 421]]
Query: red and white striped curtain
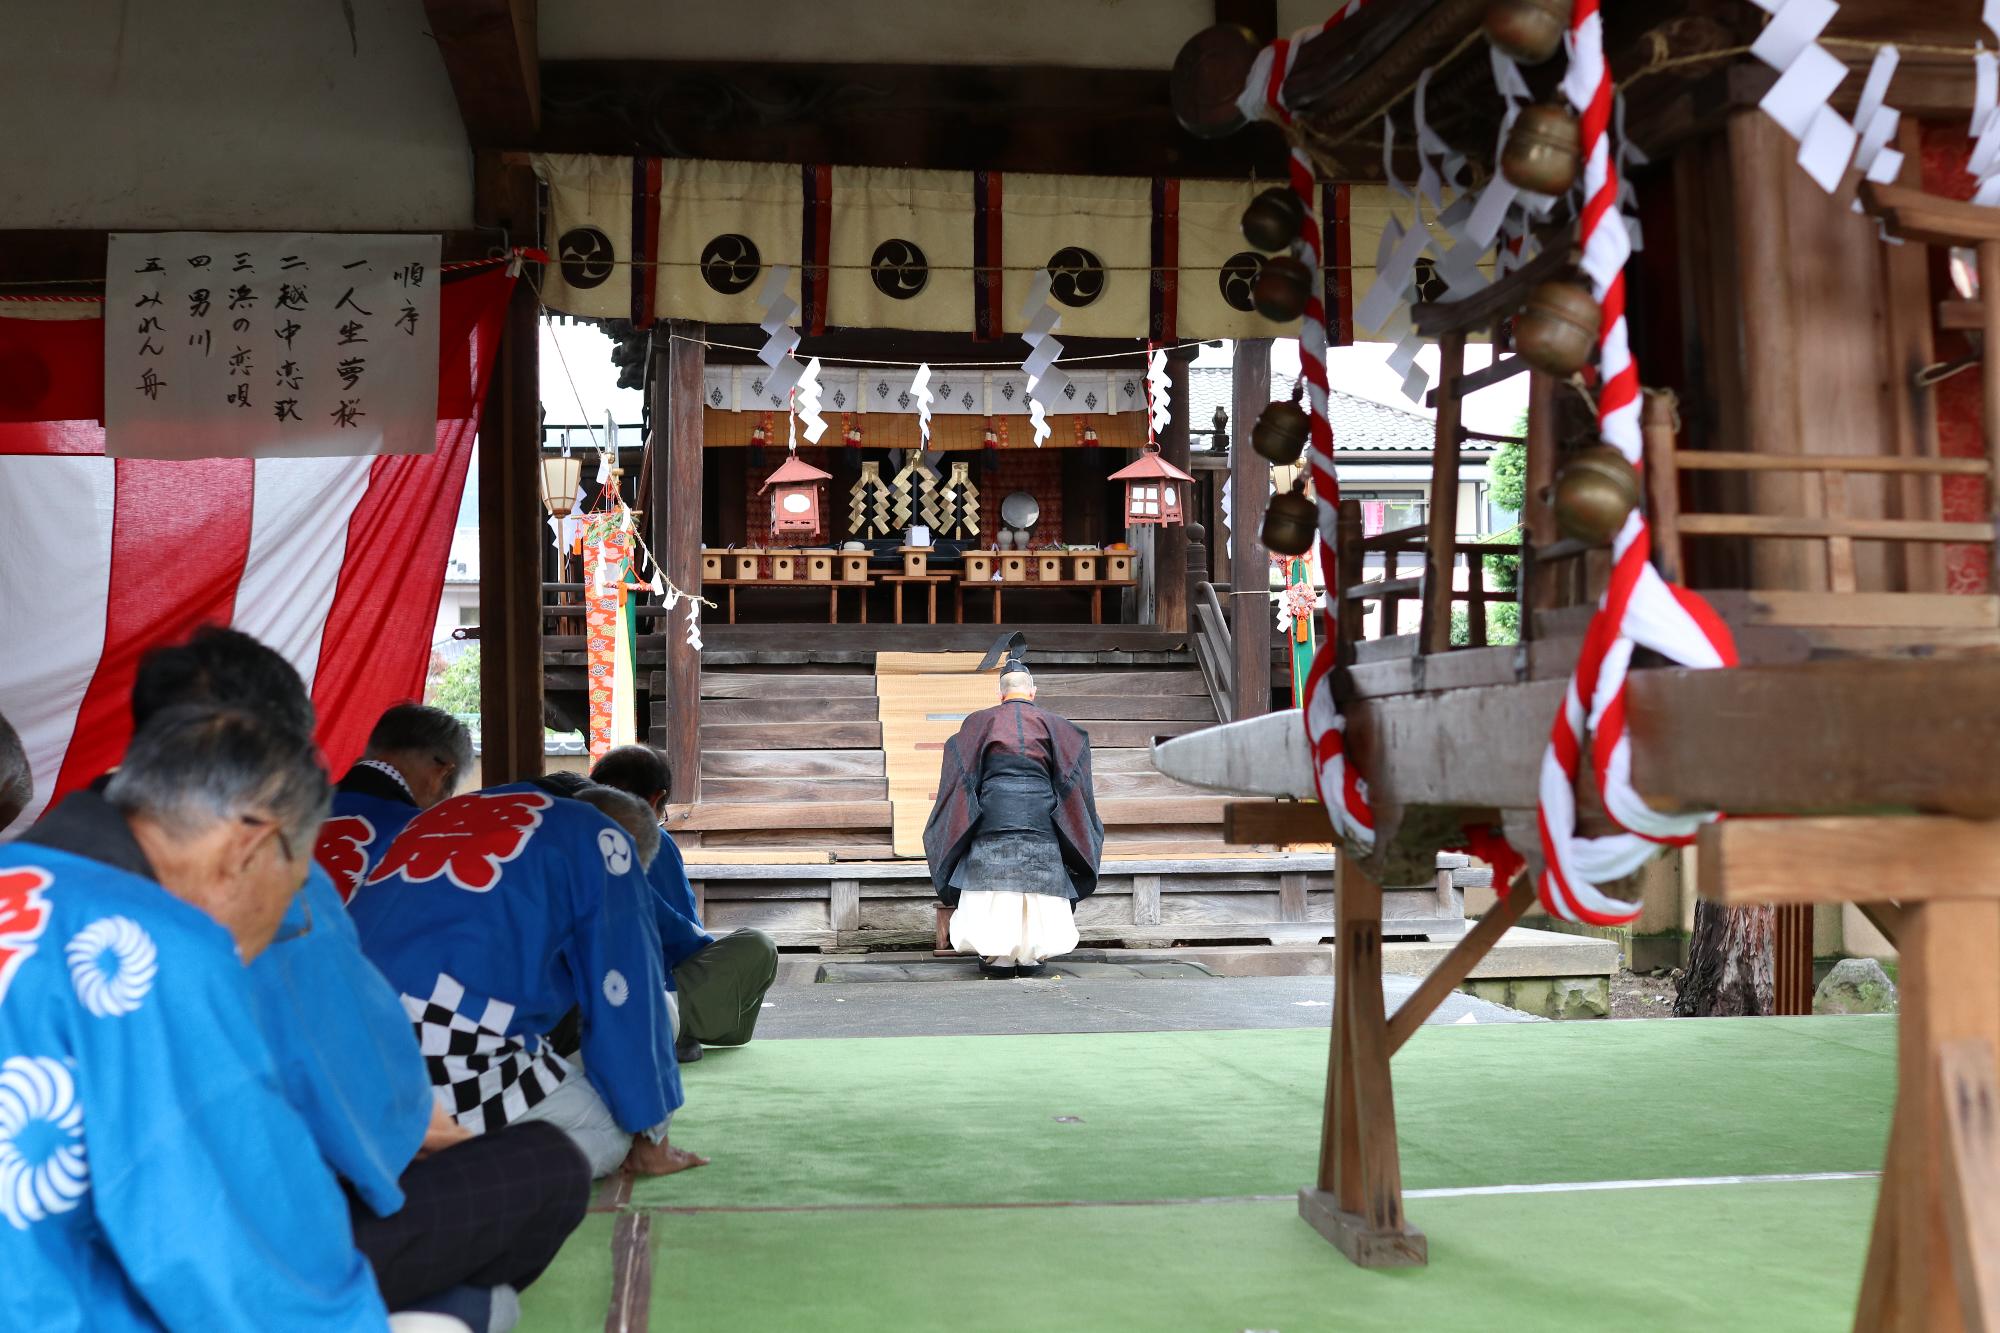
[[338, 563]]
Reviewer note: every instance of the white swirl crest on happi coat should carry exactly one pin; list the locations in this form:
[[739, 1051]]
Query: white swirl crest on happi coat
[[117, 989], [38, 1093]]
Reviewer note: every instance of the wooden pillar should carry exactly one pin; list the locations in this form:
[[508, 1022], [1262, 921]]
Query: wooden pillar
[[1357, 1201], [1440, 557], [676, 503], [1249, 561], [1170, 541], [511, 529]]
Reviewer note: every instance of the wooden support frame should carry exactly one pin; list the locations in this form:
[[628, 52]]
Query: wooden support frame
[[1357, 1200], [1440, 554], [676, 502], [510, 511], [1249, 560], [1934, 1259]]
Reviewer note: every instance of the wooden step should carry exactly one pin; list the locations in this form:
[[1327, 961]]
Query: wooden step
[[831, 683], [705, 815], [1110, 759], [1180, 810], [844, 844], [770, 790], [1148, 785], [788, 735], [801, 705], [1083, 709], [791, 764], [1137, 735], [1067, 681]]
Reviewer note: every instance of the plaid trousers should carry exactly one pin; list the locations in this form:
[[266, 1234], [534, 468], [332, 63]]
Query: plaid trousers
[[492, 1210]]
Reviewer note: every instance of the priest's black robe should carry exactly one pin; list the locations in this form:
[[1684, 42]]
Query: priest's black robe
[[1015, 809]]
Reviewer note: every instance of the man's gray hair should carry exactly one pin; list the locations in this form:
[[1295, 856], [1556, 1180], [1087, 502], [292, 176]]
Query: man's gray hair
[[193, 765], [420, 729], [629, 813], [1016, 677], [17, 781]]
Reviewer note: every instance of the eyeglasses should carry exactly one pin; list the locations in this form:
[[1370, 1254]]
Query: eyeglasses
[[299, 896]]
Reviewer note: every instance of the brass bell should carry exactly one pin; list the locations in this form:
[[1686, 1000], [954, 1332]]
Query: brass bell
[[1273, 219], [1557, 329], [1283, 286], [1291, 522], [1280, 433], [1544, 150], [1208, 78], [1595, 492], [1527, 30]]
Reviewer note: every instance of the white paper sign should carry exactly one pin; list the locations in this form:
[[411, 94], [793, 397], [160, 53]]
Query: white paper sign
[[270, 345]]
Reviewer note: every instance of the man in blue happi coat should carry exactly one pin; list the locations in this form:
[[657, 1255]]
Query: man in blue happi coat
[[446, 1224], [497, 913], [720, 983], [152, 1172], [414, 758]]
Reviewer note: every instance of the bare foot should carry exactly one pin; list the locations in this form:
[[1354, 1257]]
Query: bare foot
[[659, 1159]]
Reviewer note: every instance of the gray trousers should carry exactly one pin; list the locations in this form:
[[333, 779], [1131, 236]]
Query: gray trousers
[[722, 988]]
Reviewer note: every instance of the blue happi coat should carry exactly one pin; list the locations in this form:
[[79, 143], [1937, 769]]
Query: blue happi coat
[[681, 933], [496, 913], [152, 1173], [369, 810], [344, 1048]]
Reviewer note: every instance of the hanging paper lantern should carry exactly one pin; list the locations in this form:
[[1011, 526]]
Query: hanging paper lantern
[[794, 491], [1153, 490]]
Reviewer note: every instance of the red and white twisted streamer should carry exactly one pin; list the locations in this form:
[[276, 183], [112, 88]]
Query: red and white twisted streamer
[[1341, 788], [1639, 608]]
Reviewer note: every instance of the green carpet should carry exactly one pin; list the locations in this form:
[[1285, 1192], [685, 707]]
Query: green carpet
[[1206, 1114], [1177, 1116], [1781, 1257]]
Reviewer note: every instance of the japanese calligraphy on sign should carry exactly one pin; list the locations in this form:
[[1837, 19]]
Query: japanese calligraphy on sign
[[270, 345]]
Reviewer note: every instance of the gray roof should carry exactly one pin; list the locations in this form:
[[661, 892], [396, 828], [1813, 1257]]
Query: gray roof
[[1360, 425]]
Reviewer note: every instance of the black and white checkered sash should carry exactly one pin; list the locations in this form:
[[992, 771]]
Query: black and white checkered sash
[[485, 1078]]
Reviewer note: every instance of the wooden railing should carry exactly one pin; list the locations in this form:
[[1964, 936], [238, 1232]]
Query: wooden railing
[[1214, 648], [1394, 588]]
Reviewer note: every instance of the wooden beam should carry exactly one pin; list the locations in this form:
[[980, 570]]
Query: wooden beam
[[1917, 215], [1440, 551], [1457, 965], [1819, 737], [510, 512], [1726, 461], [939, 117], [489, 49], [1434, 319], [677, 494], [1862, 529], [1970, 1100], [1249, 560], [1275, 823], [1860, 859]]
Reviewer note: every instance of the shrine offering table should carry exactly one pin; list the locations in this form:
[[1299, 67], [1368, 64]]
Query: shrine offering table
[[834, 588], [931, 581], [1000, 589]]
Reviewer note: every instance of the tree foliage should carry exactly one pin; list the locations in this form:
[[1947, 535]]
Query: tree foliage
[[456, 688]]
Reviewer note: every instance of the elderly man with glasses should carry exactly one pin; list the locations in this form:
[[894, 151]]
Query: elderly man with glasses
[[415, 758], [447, 1225], [152, 1171]]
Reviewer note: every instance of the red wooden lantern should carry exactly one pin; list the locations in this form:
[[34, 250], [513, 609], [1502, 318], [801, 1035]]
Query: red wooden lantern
[[1152, 489], [794, 491]]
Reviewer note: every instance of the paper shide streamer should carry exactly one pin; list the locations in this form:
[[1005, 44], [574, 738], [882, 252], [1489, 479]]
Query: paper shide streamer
[[1046, 383]]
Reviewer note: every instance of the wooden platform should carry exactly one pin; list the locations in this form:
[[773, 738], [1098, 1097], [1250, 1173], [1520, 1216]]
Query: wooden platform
[[1274, 899]]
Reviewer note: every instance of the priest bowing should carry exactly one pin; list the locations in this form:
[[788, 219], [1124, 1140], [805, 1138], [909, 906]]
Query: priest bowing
[[1014, 839]]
